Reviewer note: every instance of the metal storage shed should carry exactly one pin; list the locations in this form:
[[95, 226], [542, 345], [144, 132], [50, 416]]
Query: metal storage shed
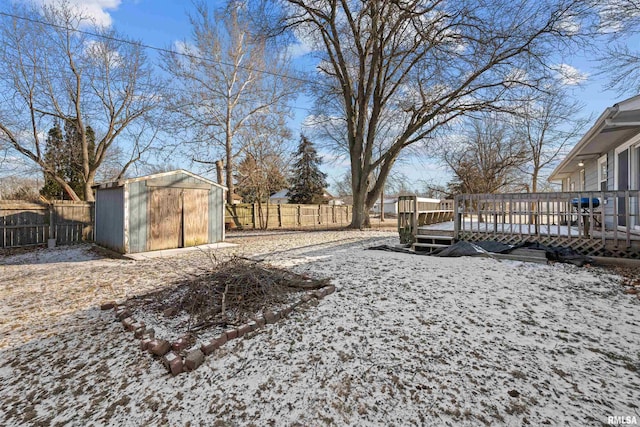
[[162, 211]]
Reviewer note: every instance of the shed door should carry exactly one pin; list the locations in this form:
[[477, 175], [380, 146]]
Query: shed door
[[196, 217], [165, 218]]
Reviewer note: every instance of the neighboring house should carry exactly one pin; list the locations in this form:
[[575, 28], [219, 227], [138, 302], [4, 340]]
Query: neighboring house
[[331, 199], [280, 198], [426, 204], [390, 207], [607, 158], [236, 199]]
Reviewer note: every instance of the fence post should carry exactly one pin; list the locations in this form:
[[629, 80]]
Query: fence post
[[52, 227], [299, 215], [279, 215]]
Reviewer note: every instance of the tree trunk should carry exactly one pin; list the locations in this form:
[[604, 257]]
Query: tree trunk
[[360, 216], [359, 185], [219, 171], [534, 189], [229, 169], [266, 219], [88, 191], [382, 206], [359, 219], [67, 188]]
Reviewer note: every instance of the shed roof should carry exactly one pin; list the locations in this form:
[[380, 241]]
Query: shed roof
[[616, 125], [120, 183]]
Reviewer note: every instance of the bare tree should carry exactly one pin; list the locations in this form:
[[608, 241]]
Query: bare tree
[[548, 124], [51, 70], [486, 157], [619, 56], [18, 187], [267, 155], [225, 76], [424, 63]]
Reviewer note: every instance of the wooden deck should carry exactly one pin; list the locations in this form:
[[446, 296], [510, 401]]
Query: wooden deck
[[592, 223]]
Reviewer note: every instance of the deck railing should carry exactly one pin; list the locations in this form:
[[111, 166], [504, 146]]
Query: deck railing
[[414, 212], [612, 216]]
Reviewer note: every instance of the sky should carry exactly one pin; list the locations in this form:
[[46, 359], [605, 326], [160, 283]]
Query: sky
[[162, 23]]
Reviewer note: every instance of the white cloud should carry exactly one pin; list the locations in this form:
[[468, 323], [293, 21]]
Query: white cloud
[[306, 42], [297, 50], [569, 25], [185, 48], [615, 14], [99, 52], [94, 9], [569, 75]]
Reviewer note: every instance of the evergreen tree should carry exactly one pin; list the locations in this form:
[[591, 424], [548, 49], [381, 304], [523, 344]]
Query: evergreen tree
[[54, 157], [64, 155], [307, 181]]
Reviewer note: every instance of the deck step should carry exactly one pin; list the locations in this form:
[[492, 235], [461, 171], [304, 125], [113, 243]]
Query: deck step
[[430, 245], [433, 237], [429, 242]]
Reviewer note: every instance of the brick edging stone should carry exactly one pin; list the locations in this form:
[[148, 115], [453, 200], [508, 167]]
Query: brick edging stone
[[176, 357]]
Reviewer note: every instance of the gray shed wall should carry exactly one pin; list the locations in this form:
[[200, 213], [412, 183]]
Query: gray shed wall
[[137, 217], [109, 221], [216, 212]]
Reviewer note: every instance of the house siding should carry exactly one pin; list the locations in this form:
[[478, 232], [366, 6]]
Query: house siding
[[575, 178], [591, 176], [610, 172], [608, 202]]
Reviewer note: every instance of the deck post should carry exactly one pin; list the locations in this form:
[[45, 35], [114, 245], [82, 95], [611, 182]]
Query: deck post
[[627, 221], [414, 218], [456, 216], [603, 225]]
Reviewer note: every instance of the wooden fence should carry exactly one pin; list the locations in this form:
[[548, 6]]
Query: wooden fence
[[286, 216], [30, 224]]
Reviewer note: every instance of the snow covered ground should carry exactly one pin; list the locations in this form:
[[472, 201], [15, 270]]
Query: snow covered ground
[[406, 340]]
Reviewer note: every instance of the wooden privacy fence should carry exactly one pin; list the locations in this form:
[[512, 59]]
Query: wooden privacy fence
[[253, 216], [30, 224]]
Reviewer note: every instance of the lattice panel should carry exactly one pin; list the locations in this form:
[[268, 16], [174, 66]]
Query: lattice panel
[[588, 247]]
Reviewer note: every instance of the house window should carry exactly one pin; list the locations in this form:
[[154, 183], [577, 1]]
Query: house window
[[602, 173]]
